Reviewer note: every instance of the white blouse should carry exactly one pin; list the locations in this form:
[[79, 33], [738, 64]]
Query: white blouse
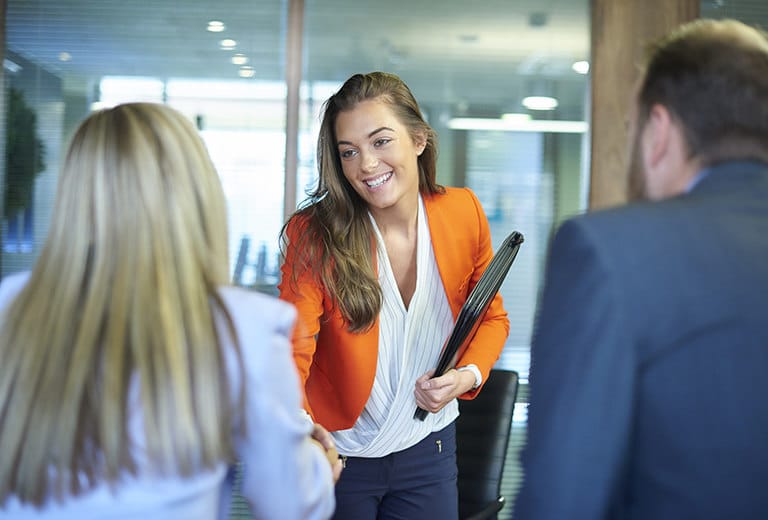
[[410, 341]]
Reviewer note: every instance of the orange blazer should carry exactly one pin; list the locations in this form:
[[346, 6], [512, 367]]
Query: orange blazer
[[337, 367]]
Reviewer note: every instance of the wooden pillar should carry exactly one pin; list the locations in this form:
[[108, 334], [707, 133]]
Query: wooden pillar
[[621, 30]]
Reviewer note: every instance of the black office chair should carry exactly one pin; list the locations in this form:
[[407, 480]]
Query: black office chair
[[482, 436]]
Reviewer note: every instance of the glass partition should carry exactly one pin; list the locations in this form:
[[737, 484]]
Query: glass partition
[[471, 66], [505, 85], [220, 63]]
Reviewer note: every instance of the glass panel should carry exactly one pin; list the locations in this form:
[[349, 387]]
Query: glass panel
[[467, 61], [468, 64], [67, 57], [753, 12]]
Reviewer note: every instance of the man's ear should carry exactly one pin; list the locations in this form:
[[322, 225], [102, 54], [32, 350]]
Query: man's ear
[[656, 136], [668, 167]]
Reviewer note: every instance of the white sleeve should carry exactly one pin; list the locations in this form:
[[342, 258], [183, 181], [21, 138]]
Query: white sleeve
[[285, 474], [475, 371], [10, 287]]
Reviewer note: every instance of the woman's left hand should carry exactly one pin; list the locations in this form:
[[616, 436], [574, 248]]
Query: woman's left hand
[[433, 393]]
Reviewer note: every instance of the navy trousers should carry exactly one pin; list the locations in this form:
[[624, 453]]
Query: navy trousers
[[413, 484]]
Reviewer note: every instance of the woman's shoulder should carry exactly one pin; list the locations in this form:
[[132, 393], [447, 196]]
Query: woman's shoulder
[[452, 195], [455, 202], [299, 220], [11, 285], [256, 313]]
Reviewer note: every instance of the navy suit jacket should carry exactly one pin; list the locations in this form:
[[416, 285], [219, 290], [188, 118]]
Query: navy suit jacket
[[649, 361]]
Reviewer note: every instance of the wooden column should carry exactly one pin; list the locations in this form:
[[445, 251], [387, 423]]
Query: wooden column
[[621, 30]]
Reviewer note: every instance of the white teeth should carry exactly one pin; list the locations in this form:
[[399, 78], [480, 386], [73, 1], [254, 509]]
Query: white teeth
[[378, 181]]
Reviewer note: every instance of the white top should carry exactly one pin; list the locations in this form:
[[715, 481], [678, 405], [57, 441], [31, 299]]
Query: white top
[[285, 475], [410, 342]]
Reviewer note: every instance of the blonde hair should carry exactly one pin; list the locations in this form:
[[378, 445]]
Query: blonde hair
[[336, 240], [124, 291]]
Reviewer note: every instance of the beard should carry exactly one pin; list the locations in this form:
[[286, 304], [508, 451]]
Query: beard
[[636, 184]]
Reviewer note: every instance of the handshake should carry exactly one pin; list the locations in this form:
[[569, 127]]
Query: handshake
[[323, 438]]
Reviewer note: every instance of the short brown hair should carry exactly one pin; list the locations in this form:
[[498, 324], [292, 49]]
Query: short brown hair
[[713, 77]]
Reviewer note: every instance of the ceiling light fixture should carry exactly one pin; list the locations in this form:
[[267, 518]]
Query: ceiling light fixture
[[65, 56], [540, 103], [216, 26], [518, 125], [227, 44], [239, 59], [582, 67], [246, 72]]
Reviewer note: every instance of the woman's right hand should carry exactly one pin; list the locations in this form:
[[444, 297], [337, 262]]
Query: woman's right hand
[[325, 440]]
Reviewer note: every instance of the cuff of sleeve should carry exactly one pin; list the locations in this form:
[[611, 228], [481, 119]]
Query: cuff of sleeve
[[306, 417], [476, 371]]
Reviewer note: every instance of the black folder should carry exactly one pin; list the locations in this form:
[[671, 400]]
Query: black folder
[[473, 310]]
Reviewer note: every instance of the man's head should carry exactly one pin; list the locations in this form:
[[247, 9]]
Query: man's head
[[703, 100]]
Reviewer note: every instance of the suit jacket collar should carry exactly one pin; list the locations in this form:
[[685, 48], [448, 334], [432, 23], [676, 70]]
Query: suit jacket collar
[[718, 176]]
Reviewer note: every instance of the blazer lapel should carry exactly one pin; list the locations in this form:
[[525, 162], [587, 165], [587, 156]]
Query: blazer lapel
[[446, 229]]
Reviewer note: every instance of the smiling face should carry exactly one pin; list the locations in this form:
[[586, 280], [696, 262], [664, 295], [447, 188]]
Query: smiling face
[[378, 156]]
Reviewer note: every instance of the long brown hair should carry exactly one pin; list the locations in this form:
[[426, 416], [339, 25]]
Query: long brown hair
[[124, 290], [336, 239]]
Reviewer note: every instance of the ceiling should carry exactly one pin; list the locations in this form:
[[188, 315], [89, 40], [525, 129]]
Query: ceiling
[[474, 56]]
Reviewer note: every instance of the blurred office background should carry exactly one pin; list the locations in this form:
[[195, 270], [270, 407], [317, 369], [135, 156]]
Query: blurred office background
[[506, 85]]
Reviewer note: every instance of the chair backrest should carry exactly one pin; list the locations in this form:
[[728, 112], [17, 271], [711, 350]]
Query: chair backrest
[[242, 260], [482, 437]]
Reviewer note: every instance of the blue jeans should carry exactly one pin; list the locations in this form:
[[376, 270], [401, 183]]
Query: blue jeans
[[414, 484]]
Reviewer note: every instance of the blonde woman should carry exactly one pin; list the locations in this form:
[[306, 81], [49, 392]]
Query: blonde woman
[[131, 377]]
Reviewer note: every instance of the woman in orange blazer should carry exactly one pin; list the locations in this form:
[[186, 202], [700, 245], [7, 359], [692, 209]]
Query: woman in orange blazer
[[378, 263]]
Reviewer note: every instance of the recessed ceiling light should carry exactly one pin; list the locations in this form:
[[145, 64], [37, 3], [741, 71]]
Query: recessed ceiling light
[[515, 116], [239, 59], [65, 56], [540, 103], [227, 43], [216, 26], [582, 67], [246, 72]]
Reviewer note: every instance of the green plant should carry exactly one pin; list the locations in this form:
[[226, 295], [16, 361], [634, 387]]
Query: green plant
[[24, 154]]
